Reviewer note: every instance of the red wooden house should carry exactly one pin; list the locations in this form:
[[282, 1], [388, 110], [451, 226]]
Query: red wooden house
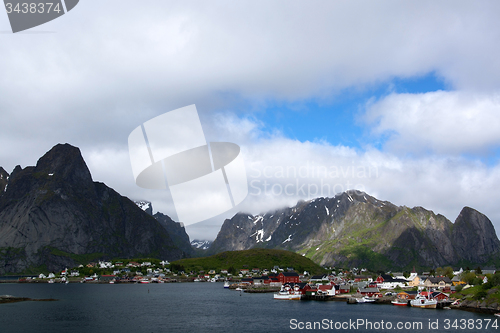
[[288, 277]]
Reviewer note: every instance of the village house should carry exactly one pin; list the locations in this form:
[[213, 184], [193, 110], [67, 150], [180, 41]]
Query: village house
[[414, 281], [344, 288], [319, 279], [369, 292], [386, 281], [359, 278], [107, 278], [288, 277], [328, 290], [437, 282], [439, 296], [105, 264], [262, 280], [247, 281], [408, 294]]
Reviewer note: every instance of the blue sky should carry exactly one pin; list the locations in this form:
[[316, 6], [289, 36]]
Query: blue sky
[[337, 119]]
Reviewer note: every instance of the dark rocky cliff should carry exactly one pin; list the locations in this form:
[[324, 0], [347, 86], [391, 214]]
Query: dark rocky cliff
[[53, 215], [476, 235]]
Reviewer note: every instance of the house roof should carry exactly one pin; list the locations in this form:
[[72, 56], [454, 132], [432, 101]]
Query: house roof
[[325, 287], [368, 290], [289, 274], [445, 279], [434, 294], [388, 278], [261, 278]]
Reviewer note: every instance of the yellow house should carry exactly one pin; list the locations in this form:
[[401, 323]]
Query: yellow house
[[415, 282]]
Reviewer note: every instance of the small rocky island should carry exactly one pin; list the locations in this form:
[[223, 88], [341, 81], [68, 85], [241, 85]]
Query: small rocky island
[[13, 299]]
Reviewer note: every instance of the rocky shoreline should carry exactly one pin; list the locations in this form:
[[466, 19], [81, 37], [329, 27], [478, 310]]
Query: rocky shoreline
[[14, 299]]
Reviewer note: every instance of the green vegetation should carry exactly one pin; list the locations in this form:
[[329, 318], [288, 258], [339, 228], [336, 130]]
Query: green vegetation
[[79, 258], [488, 292], [371, 259], [249, 259]]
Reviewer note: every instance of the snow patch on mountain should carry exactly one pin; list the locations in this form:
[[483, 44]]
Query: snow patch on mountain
[[201, 244]]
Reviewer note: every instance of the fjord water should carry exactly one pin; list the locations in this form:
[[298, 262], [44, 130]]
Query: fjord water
[[195, 307]]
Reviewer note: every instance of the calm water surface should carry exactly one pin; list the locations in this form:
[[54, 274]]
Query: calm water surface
[[204, 307]]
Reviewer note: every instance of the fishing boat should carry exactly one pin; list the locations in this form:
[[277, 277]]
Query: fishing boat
[[287, 293], [226, 284], [423, 302], [400, 302]]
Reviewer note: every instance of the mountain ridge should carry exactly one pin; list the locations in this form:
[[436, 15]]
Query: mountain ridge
[[355, 229], [53, 215]]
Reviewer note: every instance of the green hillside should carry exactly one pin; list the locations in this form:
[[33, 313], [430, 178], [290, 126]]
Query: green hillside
[[249, 259]]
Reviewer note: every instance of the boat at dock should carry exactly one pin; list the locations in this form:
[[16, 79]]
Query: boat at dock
[[226, 284], [400, 302], [423, 302], [288, 294], [364, 299]]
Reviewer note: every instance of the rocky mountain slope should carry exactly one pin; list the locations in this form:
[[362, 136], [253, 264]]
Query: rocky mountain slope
[[355, 229], [53, 216], [175, 229]]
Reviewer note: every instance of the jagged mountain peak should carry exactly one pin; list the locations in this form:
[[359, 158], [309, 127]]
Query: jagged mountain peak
[[64, 161]]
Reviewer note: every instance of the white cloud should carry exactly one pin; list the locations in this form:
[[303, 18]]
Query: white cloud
[[443, 122]]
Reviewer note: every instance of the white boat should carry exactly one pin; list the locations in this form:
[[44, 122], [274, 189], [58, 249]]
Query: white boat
[[364, 299], [497, 314], [423, 302], [238, 289], [226, 284], [288, 294], [400, 302]]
